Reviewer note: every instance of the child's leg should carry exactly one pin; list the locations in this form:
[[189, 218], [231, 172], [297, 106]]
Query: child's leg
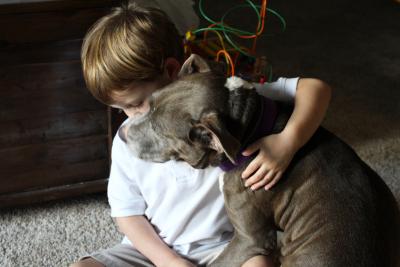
[[260, 261], [88, 262], [119, 255]]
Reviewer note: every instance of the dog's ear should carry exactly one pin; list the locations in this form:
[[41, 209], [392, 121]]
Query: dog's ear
[[193, 64], [209, 132]]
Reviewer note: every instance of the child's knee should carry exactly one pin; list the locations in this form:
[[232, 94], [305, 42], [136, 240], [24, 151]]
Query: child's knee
[[88, 262]]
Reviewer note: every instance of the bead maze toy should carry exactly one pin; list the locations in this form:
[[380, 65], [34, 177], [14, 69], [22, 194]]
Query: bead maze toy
[[227, 42]]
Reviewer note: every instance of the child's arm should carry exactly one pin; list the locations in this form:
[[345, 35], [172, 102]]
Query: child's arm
[[276, 151], [145, 239]]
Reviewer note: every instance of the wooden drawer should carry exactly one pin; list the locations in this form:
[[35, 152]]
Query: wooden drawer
[[54, 136]]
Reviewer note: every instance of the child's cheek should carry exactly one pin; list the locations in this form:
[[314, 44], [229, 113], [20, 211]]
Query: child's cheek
[[136, 112]]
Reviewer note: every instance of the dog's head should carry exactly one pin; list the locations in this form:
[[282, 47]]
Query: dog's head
[[187, 121]]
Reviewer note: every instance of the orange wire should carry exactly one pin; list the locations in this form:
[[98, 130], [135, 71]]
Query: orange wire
[[263, 16], [228, 57], [260, 29], [253, 48]]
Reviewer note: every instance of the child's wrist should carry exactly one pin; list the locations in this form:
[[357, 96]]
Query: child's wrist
[[292, 138]]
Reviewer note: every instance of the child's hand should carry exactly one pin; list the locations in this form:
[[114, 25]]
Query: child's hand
[[275, 153]]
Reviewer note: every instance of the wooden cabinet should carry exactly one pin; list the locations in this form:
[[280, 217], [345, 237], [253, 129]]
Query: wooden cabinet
[[54, 136]]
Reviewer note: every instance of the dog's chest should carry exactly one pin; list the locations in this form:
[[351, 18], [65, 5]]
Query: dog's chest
[[237, 195]]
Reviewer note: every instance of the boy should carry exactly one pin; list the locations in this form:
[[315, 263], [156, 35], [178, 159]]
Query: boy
[[171, 214]]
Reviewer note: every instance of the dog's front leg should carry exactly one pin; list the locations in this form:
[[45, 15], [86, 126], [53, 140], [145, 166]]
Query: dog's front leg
[[254, 232]]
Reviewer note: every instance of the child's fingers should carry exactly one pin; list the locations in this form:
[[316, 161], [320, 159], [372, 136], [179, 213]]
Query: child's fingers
[[256, 177], [251, 168], [274, 180], [268, 176]]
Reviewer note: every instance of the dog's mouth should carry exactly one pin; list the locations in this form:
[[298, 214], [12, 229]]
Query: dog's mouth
[[209, 158], [203, 162]]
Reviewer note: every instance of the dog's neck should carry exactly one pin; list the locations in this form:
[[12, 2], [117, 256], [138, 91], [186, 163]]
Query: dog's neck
[[260, 124]]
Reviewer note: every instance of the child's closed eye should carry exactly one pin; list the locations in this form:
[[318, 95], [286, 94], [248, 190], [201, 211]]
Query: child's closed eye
[[135, 105]]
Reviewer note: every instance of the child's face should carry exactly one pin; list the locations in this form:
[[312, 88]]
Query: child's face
[[135, 100]]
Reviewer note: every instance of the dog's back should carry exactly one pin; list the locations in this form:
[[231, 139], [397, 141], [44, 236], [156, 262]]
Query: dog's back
[[339, 207], [333, 209]]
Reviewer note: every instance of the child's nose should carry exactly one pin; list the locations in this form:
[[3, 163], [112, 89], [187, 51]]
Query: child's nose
[[145, 107]]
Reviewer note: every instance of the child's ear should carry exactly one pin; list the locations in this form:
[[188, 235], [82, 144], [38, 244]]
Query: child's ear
[[193, 64], [172, 68]]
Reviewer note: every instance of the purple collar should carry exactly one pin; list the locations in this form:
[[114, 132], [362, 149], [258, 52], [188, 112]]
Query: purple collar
[[262, 128]]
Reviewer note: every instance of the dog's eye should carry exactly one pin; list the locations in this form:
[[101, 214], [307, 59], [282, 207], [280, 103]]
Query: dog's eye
[[200, 135]]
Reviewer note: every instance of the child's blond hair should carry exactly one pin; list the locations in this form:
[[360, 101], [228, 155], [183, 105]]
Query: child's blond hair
[[128, 45]]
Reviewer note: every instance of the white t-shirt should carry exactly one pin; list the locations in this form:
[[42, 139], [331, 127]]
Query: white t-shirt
[[184, 204]]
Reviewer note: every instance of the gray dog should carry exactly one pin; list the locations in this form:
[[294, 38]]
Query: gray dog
[[332, 208]]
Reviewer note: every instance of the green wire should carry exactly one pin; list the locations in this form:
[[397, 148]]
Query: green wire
[[228, 37], [215, 29], [226, 27], [241, 32], [283, 21], [233, 30], [256, 10], [236, 31], [203, 14]]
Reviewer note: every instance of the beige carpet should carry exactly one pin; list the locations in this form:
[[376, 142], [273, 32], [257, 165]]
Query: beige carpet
[[353, 45]]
